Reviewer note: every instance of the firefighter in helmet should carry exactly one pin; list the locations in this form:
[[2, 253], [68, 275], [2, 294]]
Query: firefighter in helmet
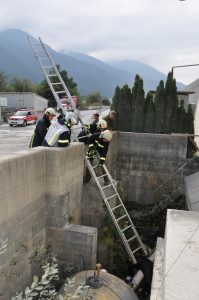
[[100, 142], [42, 128], [91, 129]]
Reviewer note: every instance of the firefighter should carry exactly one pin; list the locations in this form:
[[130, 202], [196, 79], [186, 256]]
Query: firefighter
[[59, 132], [91, 129], [110, 120], [100, 142], [42, 128]]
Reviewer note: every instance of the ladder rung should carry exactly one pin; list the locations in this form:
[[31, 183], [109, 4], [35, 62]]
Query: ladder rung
[[104, 187], [112, 197], [132, 238], [137, 249], [102, 176], [122, 217], [94, 167], [47, 66], [126, 228], [43, 58], [115, 206], [52, 75], [56, 83], [60, 92]]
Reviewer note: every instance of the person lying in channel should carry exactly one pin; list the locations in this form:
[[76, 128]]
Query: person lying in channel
[[59, 132]]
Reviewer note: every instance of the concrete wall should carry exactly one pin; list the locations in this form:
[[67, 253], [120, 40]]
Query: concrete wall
[[22, 221], [192, 191], [145, 158], [41, 189]]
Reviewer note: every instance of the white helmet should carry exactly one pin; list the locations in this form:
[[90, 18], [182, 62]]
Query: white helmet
[[102, 124], [50, 111], [107, 135]]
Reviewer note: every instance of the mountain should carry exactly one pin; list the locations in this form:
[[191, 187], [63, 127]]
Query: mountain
[[89, 73]]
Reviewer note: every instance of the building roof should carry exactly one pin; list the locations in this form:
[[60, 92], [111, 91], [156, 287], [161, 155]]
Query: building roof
[[178, 92]]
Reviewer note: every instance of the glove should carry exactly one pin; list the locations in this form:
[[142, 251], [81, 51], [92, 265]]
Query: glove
[[87, 127], [91, 153]]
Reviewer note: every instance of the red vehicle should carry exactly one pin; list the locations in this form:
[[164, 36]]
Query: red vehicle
[[23, 117]]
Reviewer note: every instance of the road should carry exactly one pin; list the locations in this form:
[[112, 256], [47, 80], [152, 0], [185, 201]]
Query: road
[[13, 139]]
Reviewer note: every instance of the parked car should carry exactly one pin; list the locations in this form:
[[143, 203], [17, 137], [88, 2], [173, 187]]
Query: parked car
[[23, 117]]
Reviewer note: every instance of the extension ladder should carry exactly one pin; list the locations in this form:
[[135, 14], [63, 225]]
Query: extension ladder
[[52, 75], [123, 223], [127, 231]]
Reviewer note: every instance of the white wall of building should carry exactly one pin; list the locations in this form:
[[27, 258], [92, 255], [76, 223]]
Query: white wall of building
[[196, 124], [25, 100]]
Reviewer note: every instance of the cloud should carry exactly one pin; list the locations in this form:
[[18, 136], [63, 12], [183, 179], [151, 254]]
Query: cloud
[[160, 33]]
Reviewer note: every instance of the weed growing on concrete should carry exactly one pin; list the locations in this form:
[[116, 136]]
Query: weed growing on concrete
[[43, 288]]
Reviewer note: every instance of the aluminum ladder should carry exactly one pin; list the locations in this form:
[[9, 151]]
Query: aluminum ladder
[[125, 227], [123, 223], [52, 75]]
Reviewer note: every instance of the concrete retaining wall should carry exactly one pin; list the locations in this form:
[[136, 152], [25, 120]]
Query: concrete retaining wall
[[141, 156], [40, 189]]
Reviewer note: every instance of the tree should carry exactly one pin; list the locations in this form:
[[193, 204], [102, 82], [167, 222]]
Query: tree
[[18, 84], [94, 98], [126, 109], [149, 114], [137, 123], [45, 91], [105, 101], [159, 103], [3, 82], [116, 105], [171, 104], [189, 120], [181, 118]]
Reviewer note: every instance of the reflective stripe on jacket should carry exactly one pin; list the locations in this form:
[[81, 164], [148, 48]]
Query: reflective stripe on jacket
[[54, 132]]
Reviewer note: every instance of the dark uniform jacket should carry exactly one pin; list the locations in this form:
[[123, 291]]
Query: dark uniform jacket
[[40, 132], [91, 128], [97, 142], [64, 138]]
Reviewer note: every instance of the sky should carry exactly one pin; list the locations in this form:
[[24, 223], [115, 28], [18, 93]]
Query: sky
[[160, 33]]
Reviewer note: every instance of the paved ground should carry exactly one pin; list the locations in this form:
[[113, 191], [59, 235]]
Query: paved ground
[[14, 139]]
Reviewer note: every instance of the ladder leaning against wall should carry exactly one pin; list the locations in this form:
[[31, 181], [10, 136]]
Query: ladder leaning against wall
[[123, 223]]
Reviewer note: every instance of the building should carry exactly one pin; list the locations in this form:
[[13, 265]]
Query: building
[[182, 96], [25, 100]]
